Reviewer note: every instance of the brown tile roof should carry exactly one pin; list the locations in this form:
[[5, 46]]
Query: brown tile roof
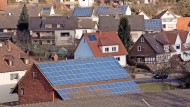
[[86, 24], [171, 36], [183, 35], [183, 23], [3, 4], [14, 55], [113, 39], [105, 41], [171, 49], [156, 41]]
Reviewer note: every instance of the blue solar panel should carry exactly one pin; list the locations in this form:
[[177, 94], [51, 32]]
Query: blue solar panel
[[92, 37], [46, 8], [123, 9], [80, 71], [117, 88], [153, 24], [83, 12]]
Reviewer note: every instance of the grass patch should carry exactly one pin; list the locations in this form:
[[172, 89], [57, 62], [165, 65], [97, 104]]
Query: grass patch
[[155, 87]]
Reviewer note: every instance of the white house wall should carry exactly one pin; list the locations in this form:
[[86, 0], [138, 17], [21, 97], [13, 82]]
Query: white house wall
[[6, 85], [169, 20], [145, 16], [86, 3], [136, 34], [128, 12], [188, 40], [79, 32], [177, 42], [83, 50], [123, 61]]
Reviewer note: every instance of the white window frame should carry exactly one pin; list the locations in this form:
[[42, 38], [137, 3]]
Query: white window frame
[[114, 49], [14, 76], [142, 39], [139, 48], [106, 49]]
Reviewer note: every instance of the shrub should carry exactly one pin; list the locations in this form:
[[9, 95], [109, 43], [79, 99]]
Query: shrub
[[143, 66]]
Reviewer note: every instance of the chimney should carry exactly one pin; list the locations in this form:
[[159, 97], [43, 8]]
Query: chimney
[[55, 57], [7, 43]]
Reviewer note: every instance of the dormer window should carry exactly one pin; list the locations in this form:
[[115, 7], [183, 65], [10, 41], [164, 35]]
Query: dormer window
[[9, 60], [14, 76], [24, 58], [106, 49], [113, 49], [139, 48], [48, 25], [168, 14], [142, 39]]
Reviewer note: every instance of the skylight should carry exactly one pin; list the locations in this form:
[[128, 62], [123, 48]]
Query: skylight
[[92, 37]]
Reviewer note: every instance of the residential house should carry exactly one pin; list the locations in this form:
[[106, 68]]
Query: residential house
[[14, 63], [64, 80], [180, 42], [183, 23], [169, 20], [68, 3], [101, 44], [85, 26], [86, 3], [111, 23], [153, 25], [144, 14], [8, 23], [112, 11], [3, 5], [150, 48], [56, 30], [33, 10]]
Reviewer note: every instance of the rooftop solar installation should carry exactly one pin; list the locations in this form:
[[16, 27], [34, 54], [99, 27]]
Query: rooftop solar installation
[[153, 24], [46, 8], [83, 12], [92, 37], [80, 71], [123, 9], [107, 89]]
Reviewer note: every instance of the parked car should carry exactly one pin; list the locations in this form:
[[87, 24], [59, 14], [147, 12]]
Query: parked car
[[160, 76]]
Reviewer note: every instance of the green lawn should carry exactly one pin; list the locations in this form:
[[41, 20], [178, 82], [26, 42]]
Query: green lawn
[[154, 87]]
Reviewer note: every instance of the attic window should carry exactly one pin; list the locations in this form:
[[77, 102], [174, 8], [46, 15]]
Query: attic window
[[142, 39], [58, 26], [9, 60], [168, 14], [34, 75], [13, 76], [24, 58], [92, 37]]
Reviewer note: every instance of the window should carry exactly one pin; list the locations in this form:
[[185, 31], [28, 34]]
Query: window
[[164, 25], [9, 62], [142, 39], [58, 26], [113, 49], [139, 48], [22, 91], [168, 14], [106, 49], [34, 75], [48, 41], [48, 26], [13, 76], [178, 47], [65, 34], [118, 58]]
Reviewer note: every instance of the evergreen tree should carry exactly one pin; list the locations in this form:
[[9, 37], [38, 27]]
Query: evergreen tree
[[23, 20], [124, 30]]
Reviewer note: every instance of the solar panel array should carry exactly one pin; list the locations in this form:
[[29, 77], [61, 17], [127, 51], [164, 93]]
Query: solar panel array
[[105, 10], [153, 24], [123, 9], [107, 89], [92, 37], [80, 71], [83, 12]]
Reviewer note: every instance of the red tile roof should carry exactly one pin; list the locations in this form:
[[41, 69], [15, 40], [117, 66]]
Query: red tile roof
[[183, 23], [105, 39], [14, 55], [171, 36]]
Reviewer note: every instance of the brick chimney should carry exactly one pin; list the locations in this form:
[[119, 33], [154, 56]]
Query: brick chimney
[[55, 57]]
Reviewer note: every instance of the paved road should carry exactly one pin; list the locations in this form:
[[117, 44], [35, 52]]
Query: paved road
[[171, 79]]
